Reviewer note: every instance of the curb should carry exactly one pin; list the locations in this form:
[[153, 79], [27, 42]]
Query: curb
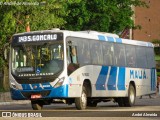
[[5, 99], [15, 102]]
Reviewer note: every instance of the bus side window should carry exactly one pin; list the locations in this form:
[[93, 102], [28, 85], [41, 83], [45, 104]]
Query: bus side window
[[130, 56], [73, 54], [108, 53], [84, 57], [72, 59], [96, 53], [119, 55]]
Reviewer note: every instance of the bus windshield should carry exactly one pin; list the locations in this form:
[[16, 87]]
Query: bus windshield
[[37, 59]]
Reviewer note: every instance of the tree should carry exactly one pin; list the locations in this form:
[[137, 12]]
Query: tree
[[101, 15], [14, 16]]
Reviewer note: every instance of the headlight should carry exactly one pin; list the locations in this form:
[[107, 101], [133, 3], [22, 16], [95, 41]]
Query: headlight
[[60, 82], [13, 85]]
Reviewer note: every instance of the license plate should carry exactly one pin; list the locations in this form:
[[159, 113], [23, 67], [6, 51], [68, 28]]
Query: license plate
[[36, 96]]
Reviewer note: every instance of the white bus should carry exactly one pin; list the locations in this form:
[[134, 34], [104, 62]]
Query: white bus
[[84, 68]]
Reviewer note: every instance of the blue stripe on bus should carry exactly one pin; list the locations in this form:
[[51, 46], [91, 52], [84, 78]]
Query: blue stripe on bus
[[16, 94], [100, 83], [112, 79], [110, 39], [61, 91], [121, 79], [101, 37], [153, 80], [37, 87], [118, 40], [26, 87]]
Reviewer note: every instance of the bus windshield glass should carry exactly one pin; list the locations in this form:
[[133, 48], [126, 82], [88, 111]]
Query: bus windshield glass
[[40, 59]]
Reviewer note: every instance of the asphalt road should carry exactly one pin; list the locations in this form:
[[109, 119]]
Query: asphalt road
[[148, 108]]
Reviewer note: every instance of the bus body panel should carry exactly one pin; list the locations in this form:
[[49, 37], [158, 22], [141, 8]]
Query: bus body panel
[[109, 81]]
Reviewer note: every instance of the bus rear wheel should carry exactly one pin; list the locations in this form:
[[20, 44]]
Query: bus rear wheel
[[81, 102], [36, 105], [130, 100]]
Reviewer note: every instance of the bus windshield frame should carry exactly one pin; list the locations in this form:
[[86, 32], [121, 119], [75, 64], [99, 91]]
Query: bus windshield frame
[[37, 58]]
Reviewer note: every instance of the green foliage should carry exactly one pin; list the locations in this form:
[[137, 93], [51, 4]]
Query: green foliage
[[42, 14], [157, 58], [2, 90], [101, 15], [156, 41], [158, 74]]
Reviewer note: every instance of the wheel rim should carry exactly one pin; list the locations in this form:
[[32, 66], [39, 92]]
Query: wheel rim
[[132, 97], [84, 99]]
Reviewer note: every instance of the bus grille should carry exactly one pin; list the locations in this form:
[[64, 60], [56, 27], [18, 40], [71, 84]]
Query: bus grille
[[34, 81]]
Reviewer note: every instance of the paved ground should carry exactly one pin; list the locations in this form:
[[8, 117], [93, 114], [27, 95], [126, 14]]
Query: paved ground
[[5, 99], [144, 105]]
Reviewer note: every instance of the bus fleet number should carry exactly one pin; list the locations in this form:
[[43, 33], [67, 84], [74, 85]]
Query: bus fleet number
[[85, 74]]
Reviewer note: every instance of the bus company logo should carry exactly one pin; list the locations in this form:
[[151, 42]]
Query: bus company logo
[[20, 114], [6, 114], [46, 86], [138, 74]]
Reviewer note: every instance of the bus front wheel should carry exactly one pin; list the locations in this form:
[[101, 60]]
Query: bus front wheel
[[36, 105], [81, 102]]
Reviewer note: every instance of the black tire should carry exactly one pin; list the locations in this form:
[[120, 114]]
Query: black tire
[[92, 104], [36, 105], [130, 100], [81, 102]]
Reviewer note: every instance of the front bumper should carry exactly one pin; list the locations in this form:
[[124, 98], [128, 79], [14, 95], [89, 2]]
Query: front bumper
[[59, 92]]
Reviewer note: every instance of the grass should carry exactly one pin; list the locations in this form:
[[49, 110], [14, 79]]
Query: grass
[[157, 58]]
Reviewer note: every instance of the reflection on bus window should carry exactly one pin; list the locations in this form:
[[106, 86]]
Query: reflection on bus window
[[73, 64], [108, 53], [41, 58]]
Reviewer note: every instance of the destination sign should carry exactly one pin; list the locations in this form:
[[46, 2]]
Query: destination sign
[[25, 69], [36, 37]]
